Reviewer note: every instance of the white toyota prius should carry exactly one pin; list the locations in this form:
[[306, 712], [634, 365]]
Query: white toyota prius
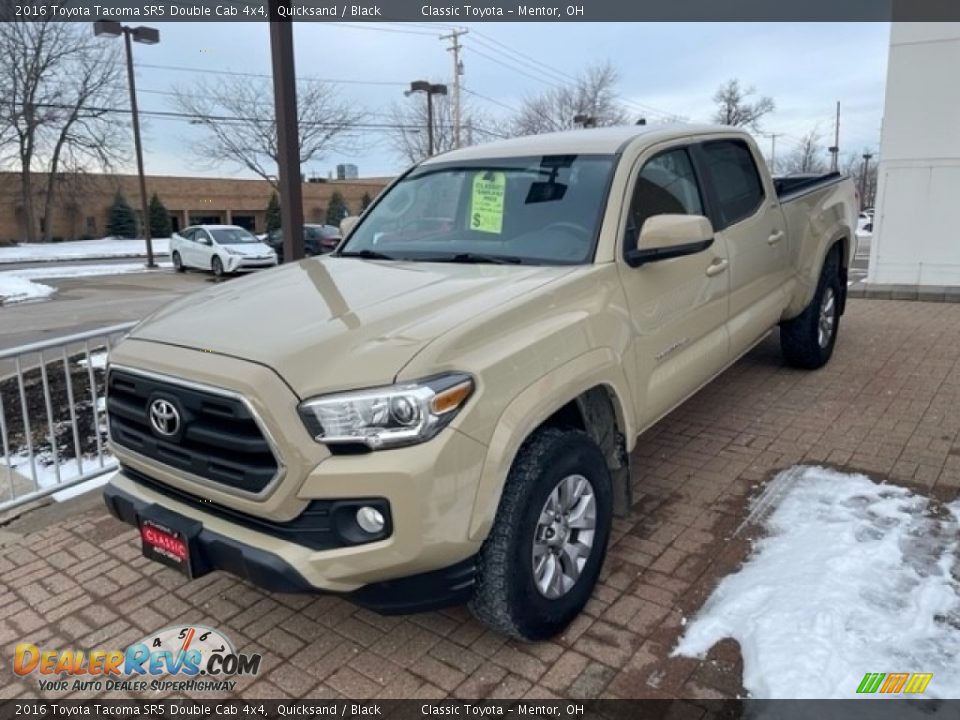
[[220, 249]]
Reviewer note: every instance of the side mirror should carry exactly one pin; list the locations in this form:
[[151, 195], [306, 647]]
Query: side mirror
[[669, 236], [346, 225]]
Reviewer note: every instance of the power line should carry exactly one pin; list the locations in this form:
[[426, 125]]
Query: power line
[[233, 73]]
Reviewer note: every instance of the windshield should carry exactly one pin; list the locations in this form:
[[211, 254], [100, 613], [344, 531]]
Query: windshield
[[536, 210], [232, 236]]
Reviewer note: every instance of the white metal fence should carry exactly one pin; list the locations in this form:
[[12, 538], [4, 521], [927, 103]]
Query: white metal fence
[[53, 414]]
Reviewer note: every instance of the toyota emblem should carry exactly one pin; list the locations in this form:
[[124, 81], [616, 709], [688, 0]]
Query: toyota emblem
[[164, 417]]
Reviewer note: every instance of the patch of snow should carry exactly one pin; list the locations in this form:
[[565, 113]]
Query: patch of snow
[[99, 362], [46, 472], [852, 577], [14, 288], [72, 271], [102, 248]]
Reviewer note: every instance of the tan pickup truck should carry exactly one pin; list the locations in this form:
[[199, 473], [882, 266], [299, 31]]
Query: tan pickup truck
[[443, 409]]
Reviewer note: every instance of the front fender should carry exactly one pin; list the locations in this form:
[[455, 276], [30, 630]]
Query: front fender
[[530, 408]]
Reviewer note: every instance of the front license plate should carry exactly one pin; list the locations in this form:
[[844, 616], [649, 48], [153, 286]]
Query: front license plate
[[166, 544]]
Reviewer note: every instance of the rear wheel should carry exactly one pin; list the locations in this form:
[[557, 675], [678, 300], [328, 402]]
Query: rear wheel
[[542, 558], [807, 340], [177, 262], [217, 266]]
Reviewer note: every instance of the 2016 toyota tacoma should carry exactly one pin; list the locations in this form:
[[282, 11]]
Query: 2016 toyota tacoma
[[443, 409]]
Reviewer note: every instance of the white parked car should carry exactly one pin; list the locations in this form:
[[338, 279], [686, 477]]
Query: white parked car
[[219, 248]]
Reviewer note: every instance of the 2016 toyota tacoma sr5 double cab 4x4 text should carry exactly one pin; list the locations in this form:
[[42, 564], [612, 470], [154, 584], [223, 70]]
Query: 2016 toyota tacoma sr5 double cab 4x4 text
[[442, 410]]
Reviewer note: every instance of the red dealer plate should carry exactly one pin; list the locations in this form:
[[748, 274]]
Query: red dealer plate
[[166, 545]]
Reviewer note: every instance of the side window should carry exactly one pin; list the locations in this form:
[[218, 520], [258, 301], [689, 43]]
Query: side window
[[665, 186], [735, 180], [201, 236]]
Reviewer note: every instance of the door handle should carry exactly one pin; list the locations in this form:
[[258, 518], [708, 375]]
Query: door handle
[[717, 267], [775, 237]]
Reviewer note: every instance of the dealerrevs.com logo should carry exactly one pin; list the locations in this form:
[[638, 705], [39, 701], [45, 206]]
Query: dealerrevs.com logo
[[191, 658]]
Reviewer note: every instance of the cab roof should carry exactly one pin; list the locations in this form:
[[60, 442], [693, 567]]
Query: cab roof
[[598, 141]]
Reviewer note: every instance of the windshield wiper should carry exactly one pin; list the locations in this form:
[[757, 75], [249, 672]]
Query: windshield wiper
[[366, 255], [469, 257]]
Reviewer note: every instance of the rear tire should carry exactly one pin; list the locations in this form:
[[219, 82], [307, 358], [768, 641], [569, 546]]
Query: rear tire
[[216, 265], [178, 263], [807, 340], [530, 581]]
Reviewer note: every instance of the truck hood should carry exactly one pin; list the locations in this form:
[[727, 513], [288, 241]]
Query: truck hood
[[330, 323]]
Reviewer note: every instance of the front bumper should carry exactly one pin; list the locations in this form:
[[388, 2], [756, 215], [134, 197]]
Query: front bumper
[[422, 592], [236, 263]]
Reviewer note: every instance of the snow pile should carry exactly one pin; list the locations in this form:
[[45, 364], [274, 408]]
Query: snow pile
[[73, 271], [14, 288], [853, 577], [99, 362], [73, 250]]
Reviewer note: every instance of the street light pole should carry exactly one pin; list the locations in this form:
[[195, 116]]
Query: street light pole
[[431, 90], [135, 114], [288, 134], [863, 180], [147, 36]]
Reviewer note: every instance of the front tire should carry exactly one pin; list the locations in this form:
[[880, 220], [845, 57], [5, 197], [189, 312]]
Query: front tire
[[540, 563], [807, 340], [216, 265], [178, 263]]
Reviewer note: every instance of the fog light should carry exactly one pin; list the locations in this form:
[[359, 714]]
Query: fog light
[[370, 519]]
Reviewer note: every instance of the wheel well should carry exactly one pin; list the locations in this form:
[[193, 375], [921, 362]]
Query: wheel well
[[595, 413], [842, 246]]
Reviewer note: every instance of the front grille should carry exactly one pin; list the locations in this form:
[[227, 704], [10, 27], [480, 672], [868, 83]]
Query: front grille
[[216, 437]]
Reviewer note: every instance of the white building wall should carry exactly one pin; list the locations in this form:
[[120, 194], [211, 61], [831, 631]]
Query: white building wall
[[916, 239]]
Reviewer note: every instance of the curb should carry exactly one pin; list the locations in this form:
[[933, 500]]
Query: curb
[[920, 293]]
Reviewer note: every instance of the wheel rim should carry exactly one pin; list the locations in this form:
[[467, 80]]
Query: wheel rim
[[217, 266], [564, 536], [828, 317], [176, 261]]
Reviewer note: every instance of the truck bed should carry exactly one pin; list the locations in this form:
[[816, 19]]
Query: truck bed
[[789, 186]]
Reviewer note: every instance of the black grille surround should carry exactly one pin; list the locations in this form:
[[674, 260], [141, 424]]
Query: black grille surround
[[217, 438]]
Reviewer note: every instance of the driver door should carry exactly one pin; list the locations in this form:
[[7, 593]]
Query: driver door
[[202, 248], [678, 306]]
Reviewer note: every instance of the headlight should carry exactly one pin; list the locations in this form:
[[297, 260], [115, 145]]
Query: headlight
[[389, 416], [233, 252]]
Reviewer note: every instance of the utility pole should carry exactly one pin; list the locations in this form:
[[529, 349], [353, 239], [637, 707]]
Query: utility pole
[[773, 151], [288, 135], [455, 48], [863, 180], [835, 149]]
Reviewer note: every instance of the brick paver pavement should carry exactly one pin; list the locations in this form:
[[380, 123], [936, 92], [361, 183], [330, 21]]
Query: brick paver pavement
[[887, 405]]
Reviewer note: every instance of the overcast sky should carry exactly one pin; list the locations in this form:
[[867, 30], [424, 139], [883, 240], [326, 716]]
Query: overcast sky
[[665, 69]]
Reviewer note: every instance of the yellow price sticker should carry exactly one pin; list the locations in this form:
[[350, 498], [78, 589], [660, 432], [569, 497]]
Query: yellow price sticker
[[486, 204]]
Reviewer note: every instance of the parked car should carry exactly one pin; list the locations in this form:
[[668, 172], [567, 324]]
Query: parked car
[[221, 249], [449, 417], [317, 240]]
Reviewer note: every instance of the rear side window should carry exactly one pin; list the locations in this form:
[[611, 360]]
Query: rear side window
[[735, 178], [666, 186]]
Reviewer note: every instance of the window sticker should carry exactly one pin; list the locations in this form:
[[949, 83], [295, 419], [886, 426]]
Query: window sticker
[[486, 204]]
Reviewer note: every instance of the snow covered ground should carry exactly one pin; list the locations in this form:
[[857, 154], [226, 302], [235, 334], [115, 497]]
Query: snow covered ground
[[14, 288], [74, 250], [18, 285], [852, 577]]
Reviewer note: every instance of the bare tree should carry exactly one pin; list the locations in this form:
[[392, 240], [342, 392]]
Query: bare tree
[[807, 156], [733, 107], [592, 96], [58, 87], [238, 119], [853, 167], [409, 134]]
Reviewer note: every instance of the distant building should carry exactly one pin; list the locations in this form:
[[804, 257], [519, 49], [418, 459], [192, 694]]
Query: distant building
[[346, 171], [916, 236], [82, 206]]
